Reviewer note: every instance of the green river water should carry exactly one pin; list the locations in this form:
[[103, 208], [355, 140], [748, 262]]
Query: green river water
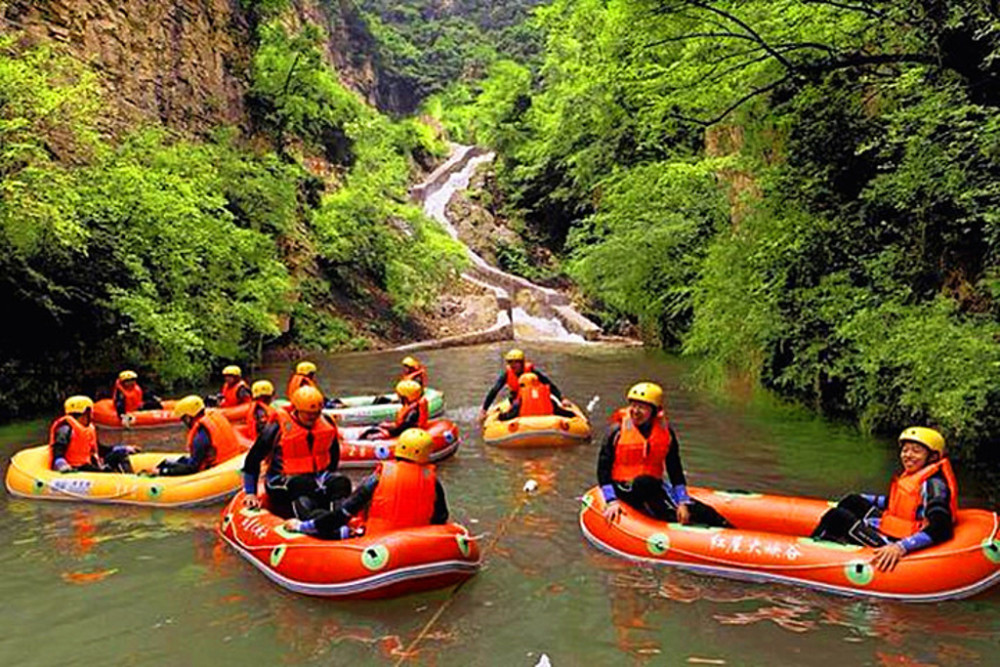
[[104, 585]]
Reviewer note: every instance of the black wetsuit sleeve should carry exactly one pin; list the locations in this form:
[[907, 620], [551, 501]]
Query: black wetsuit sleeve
[[60, 444], [940, 522], [190, 464], [410, 420], [606, 457], [119, 403], [675, 471], [513, 411], [494, 390], [243, 394], [260, 416], [544, 379], [440, 505], [261, 448], [334, 447]]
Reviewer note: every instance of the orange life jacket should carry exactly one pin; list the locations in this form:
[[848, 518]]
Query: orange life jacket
[[905, 499], [295, 455], [422, 408], [82, 447], [296, 382], [404, 497], [512, 382], [636, 455], [270, 414], [418, 374], [225, 445], [230, 395], [133, 396], [536, 400]]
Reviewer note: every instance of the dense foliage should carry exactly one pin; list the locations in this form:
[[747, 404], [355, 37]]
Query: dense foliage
[[173, 254], [800, 190], [422, 46]]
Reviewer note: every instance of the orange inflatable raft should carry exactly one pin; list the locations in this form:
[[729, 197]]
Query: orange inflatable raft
[[372, 566], [106, 416], [358, 453], [768, 545]]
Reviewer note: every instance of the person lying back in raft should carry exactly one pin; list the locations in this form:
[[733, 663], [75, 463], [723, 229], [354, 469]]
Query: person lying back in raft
[[261, 411], [73, 442], [414, 370], [128, 396], [400, 494], [302, 447], [414, 413], [919, 511], [235, 390], [211, 439], [534, 399], [517, 366], [632, 461]]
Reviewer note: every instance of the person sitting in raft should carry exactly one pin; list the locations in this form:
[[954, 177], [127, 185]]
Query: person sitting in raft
[[414, 370], [517, 366], [261, 411], [400, 494], [534, 399], [74, 446], [302, 447], [211, 439], [128, 396], [632, 461], [305, 376], [235, 390], [919, 511], [414, 413]]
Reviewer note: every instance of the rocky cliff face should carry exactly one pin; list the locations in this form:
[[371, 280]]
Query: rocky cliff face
[[185, 63]]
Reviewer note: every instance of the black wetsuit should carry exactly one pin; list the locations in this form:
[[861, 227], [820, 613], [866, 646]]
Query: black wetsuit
[[855, 519], [330, 525], [148, 403], [114, 459], [502, 382], [298, 495], [201, 448], [650, 495]]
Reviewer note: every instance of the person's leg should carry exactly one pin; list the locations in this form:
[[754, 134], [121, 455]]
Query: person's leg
[[118, 461], [331, 524], [846, 523], [706, 515], [646, 494], [279, 500]]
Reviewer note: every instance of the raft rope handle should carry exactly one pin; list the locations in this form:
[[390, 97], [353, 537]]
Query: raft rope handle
[[501, 529], [804, 566], [345, 544]]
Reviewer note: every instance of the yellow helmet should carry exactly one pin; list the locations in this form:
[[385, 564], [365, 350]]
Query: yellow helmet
[[128, 375], [414, 445], [514, 355], [307, 399], [262, 388], [927, 437], [189, 406], [232, 370], [647, 392], [305, 368], [77, 405], [410, 362], [409, 389], [527, 379]]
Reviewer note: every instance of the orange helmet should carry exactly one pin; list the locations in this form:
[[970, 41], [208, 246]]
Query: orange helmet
[[307, 399]]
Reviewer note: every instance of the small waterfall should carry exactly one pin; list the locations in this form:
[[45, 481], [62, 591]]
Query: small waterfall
[[526, 326]]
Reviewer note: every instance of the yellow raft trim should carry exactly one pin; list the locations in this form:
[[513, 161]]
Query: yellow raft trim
[[539, 431], [29, 476]]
